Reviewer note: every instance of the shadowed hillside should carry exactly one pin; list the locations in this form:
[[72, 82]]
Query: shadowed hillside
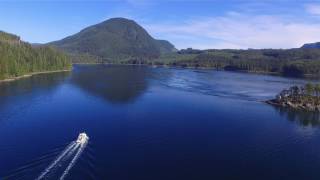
[[116, 39]]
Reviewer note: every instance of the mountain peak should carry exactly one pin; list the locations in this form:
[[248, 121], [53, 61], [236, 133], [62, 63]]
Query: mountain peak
[[115, 38], [119, 19]]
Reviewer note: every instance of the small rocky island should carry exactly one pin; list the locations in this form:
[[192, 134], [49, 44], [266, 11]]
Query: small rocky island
[[305, 98]]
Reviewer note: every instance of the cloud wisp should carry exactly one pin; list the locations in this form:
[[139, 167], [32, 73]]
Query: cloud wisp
[[240, 31], [313, 9]]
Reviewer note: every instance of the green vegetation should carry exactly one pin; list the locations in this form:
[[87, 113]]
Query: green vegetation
[[305, 97], [114, 40], [123, 41], [291, 62], [19, 58]]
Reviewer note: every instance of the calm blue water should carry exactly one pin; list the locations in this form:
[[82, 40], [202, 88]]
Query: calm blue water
[[157, 123]]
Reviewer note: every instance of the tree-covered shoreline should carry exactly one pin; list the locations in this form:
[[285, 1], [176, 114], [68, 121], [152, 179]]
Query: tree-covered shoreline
[[123, 41], [18, 58], [299, 97], [287, 62]]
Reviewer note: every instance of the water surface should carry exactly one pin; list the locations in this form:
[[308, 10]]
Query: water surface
[[157, 123]]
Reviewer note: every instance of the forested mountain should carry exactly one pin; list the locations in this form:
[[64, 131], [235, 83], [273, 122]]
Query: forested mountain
[[312, 45], [18, 58], [123, 41], [165, 46], [114, 40]]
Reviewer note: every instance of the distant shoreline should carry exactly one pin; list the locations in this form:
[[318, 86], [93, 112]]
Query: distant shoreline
[[31, 74], [305, 76]]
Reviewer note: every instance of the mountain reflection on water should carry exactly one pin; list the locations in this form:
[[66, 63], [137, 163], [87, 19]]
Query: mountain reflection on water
[[117, 84]]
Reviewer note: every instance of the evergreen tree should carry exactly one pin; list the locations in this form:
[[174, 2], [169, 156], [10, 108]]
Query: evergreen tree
[[18, 58]]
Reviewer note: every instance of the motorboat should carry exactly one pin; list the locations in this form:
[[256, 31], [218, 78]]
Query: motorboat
[[82, 138]]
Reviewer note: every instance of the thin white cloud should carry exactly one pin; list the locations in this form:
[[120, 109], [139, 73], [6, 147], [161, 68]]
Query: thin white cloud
[[313, 9], [236, 30]]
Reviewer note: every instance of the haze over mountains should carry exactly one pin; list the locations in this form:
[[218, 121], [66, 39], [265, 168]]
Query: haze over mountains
[[114, 39]]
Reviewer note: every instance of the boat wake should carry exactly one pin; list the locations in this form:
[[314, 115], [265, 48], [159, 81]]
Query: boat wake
[[74, 160], [70, 154]]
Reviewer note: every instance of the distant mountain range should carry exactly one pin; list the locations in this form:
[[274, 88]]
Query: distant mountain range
[[311, 45], [114, 40]]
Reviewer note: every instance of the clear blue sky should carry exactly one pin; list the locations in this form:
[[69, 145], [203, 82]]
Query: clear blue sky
[[190, 23]]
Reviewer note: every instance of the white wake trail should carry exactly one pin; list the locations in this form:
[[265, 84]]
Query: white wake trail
[[71, 152], [57, 160], [74, 160]]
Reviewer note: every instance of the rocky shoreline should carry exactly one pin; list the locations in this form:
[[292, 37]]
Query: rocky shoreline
[[297, 106], [306, 98]]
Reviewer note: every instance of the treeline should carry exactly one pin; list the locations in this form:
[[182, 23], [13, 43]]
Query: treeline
[[18, 58], [299, 97], [291, 62], [308, 90]]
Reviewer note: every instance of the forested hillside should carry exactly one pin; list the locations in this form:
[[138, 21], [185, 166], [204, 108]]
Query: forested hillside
[[114, 40], [18, 58], [290, 62], [123, 41]]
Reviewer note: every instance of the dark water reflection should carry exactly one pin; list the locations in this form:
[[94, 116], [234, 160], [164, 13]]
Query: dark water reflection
[[116, 84], [29, 84], [301, 117], [11, 92]]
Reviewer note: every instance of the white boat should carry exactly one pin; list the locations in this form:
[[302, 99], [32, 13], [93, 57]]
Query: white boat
[[82, 138]]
